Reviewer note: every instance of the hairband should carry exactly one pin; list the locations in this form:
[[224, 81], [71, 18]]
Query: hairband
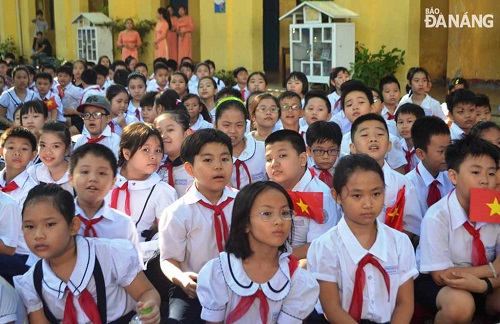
[[135, 73], [229, 99]]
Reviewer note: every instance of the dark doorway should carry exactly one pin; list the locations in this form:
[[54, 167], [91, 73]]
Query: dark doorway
[[177, 3], [271, 37]]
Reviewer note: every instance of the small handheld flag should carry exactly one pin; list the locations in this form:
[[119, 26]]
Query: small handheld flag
[[484, 205], [394, 214], [308, 204]]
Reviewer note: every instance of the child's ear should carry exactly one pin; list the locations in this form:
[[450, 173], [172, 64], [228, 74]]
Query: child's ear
[[126, 154], [33, 155], [389, 146], [308, 151], [452, 174], [74, 227], [303, 159], [189, 168], [352, 147], [329, 116], [372, 108], [160, 109], [420, 153], [70, 180], [336, 196]]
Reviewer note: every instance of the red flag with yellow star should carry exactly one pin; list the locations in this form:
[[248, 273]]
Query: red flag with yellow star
[[50, 103], [484, 205], [308, 204], [394, 214]]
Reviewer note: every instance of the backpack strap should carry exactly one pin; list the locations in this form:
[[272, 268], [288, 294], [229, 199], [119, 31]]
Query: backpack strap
[[99, 284], [37, 281], [293, 264]]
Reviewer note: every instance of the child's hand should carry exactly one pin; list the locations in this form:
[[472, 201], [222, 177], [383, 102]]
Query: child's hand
[[465, 281], [149, 312], [189, 284], [120, 120]]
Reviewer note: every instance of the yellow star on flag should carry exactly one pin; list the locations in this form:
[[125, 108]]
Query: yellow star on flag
[[394, 213], [495, 207], [49, 102], [304, 207]]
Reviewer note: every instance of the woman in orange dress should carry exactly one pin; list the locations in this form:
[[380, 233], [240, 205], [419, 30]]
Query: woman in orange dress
[[161, 30], [129, 40], [172, 35], [185, 27]]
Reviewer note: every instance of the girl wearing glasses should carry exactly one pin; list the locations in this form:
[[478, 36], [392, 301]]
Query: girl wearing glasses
[[264, 113], [256, 279]]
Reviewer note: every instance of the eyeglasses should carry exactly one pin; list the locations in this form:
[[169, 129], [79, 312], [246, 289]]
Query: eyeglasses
[[267, 109], [286, 215], [320, 152], [376, 99], [292, 107], [96, 115]]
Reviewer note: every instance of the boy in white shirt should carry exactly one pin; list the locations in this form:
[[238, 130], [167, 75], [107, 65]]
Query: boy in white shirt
[[90, 87], [458, 258], [406, 115], [43, 91], [240, 75], [462, 111], [160, 82], [70, 97], [391, 93]]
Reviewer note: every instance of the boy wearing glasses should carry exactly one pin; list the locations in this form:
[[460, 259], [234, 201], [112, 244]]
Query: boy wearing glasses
[[96, 129], [323, 147], [291, 110]]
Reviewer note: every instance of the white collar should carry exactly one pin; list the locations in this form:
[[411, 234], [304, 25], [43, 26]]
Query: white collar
[[192, 195], [43, 174], [20, 179], [458, 216], [276, 289], [106, 132], [355, 250], [152, 180], [250, 149], [426, 175], [104, 211], [307, 177]]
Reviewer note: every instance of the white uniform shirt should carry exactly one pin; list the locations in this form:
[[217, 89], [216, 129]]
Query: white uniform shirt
[[341, 120], [395, 157], [306, 229], [129, 119], [431, 106], [456, 132], [394, 181], [201, 123], [23, 181], [422, 182], [11, 232], [119, 263], [53, 96], [11, 306], [110, 140], [222, 283], [445, 242], [10, 101], [40, 173], [414, 158], [254, 158], [182, 180], [247, 92], [334, 257], [187, 232], [154, 87], [93, 90], [131, 110], [334, 97], [385, 113], [193, 86], [144, 214], [72, 96]]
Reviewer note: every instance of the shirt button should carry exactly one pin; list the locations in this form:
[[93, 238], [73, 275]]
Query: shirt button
[[369, 277]]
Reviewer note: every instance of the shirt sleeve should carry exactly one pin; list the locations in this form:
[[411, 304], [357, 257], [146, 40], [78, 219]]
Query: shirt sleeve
[[212, 292], [396, 157], [168, 196], [26, 289], [173, 234], [435, 254], [407, 263], [412, 215], [8, 303], [331, 210], [10, 218], [125, 261], [322, 261], [5, 100], [300, 301]]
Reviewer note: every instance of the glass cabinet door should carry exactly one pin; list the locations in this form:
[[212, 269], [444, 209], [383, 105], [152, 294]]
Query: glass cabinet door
[[322, 51], [301, 50]]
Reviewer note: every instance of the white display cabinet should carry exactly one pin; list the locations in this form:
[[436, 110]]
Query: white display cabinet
[[321, 38], [94, 38]]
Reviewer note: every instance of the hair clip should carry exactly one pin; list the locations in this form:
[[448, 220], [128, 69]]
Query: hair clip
[[177, 102], [229, 99]]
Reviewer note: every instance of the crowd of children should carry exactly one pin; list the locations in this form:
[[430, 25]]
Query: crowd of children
[[174, 196]]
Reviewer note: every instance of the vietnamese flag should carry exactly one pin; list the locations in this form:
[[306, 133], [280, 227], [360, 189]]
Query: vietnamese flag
[[484, 205], [50, 103], [394, 214], [308, 204]]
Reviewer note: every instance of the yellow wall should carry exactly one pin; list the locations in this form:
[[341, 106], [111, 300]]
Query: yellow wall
[[65, 12], [8, 23], [233, 38]]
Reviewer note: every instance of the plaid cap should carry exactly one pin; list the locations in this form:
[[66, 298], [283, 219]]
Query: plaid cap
[[96, 101]]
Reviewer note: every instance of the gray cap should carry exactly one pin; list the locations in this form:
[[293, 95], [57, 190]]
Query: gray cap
[[96, 101]]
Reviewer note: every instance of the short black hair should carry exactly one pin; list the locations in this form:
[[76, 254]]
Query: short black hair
[[354, 85], [172, 64], [456, 81], [89, 76], [302, 78], [460, 96], [65, 69], [230, 103], [289, 136], [95, 149], [409, 108], [364, 118], [334, 74], [482, 100], [101, 70], [349, 164], [387, 80], [61, 199], [134, 136], [192, 145], [36, 106], [121, 77], [461, 149], [238, 70], [19, 132], [321, 131], [141, 64], [237, 242], [318, 94], [47, 66], [189, 65], [149, 99], [424, 128], [117, 63], [482, 126], [227, 92], [160, 66], [168, 99], [378, 92], [44, 76], [289, 94]]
